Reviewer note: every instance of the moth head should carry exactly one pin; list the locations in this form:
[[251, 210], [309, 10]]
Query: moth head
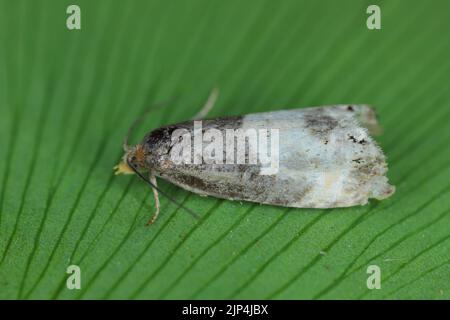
[[133, 159]]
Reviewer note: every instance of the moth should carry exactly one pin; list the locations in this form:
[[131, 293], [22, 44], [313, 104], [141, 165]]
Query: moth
[[317, 157]]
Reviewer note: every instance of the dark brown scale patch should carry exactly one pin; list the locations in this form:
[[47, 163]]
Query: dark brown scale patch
[[159, 135], [159, 141], [234, 122], [165, 133], [368, 168], [303, 193], [217, 188], [320, 124], [353, 139]]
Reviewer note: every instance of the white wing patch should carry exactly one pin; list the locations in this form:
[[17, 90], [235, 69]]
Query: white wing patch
[[327, 150]]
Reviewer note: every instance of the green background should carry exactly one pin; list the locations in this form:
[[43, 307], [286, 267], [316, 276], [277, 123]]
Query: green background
[[68, 97]]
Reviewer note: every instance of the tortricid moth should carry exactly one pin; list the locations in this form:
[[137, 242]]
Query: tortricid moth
[[319, 157]]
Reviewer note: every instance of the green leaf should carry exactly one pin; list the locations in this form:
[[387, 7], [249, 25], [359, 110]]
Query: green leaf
[[67, 98]]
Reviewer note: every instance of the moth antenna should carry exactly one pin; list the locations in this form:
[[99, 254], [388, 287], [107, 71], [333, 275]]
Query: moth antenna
[[126, 146], [195, 215]]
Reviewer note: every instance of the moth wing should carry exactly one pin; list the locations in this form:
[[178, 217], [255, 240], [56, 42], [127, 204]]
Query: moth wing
[[324, 158]]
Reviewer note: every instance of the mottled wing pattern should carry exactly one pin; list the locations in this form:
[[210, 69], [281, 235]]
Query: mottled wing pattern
[[326, 159]]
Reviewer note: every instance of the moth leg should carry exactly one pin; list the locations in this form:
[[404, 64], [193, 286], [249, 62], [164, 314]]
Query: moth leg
[[152, 178], [209, 104]]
